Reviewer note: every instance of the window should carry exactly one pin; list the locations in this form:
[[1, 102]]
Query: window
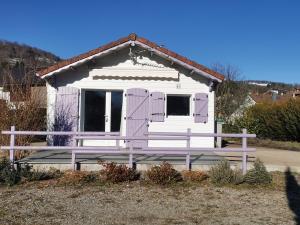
[[178, 105], [95, 102]]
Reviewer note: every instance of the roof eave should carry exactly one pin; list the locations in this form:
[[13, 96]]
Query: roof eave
[[192, 68], [125, 44]]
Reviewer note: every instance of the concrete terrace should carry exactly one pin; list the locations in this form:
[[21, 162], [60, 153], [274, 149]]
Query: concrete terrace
[[62, 160]]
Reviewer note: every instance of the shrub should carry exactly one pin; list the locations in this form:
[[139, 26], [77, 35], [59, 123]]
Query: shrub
[[62, 122], [163, 174], [118, 173], [194, 176], [11, 175], [276, 121], [222, 174], [8, 174], [4, 162], [258, 175]]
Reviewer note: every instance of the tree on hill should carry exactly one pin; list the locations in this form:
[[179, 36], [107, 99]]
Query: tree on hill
[[19, 62]]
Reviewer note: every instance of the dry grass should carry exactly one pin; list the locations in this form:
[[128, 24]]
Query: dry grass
[[139, 203], [285, 145], [71, 177], [267, 143], [194, 176]]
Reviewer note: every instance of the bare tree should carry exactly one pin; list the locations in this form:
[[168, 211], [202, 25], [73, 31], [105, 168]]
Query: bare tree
[[231, 93], [25, 110]]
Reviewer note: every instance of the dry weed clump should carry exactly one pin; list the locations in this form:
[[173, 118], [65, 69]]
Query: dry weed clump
[[194, 176], [71, 177]]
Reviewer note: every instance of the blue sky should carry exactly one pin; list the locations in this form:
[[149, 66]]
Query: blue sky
[[261, 38]]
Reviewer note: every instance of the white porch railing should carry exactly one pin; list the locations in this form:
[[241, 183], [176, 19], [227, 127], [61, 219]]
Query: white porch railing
[[131, 151]]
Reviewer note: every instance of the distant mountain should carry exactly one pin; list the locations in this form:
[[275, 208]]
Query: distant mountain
[[21, 62]]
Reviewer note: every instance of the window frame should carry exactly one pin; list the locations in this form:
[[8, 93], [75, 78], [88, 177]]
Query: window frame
[[179, 95]]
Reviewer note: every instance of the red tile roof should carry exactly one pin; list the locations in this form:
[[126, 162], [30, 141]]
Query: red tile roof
[[131, 37]]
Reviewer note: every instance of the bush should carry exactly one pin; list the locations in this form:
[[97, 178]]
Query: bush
[[194, 176], [118, 173], [276, 121], [258, 175], [8, 174], [163, 174], [221, 173], [4, 162]]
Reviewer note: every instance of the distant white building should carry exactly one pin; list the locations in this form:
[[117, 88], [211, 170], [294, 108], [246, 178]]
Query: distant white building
[[259, 84], [4, 95]]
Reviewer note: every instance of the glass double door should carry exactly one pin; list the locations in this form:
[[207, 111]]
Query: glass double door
[[102, 110]]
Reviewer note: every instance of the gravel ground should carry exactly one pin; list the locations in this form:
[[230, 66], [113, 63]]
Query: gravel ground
[[140, 204]]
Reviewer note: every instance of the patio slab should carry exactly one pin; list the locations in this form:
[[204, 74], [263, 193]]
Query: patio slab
[[62, 160]]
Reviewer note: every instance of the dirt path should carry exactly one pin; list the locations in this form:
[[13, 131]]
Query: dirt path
[[136, 204], [280, 158], [274, 159]]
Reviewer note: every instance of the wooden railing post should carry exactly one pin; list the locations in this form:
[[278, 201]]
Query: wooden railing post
[[244, 147], [188, 145], [219, 131], [73, 161], [12, 144], [131, 155]]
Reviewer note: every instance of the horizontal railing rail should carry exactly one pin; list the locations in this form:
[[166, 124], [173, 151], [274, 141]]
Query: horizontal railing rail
[[130, 150], [201, 134], [128, 138], [59, 133]]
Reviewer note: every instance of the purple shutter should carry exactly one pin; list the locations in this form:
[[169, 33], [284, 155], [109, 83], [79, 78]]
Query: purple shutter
[[157, 107], [66, 113], [201, 108], [137, 111]]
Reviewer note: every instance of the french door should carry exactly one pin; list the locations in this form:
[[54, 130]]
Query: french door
[[101, 110]]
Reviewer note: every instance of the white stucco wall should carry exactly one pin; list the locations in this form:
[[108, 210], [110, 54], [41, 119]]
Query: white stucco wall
[[85, 77]]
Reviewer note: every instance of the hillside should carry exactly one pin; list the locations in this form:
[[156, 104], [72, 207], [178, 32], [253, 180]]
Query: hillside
[[22, 61]]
